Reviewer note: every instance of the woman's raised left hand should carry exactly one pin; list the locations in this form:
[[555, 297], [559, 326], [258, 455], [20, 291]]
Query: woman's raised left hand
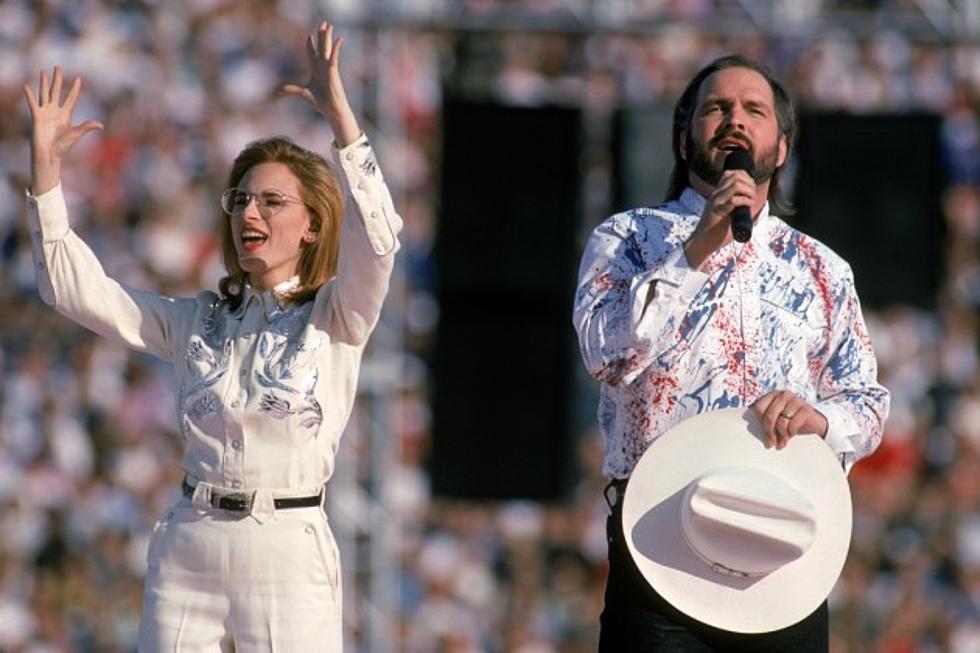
[[324, 91]]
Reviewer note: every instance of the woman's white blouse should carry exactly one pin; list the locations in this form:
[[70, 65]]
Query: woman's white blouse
[[265, 390]]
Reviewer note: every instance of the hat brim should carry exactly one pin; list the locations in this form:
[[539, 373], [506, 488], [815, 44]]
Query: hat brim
[[651, 522]]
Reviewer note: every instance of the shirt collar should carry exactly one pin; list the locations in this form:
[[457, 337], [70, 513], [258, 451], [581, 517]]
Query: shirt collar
[[271, 301], [692, 200]]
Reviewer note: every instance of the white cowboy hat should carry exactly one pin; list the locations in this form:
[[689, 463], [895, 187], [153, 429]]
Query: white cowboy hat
[[737, 536]]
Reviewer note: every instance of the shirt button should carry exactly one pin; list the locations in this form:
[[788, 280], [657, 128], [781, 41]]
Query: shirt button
[[360, 185], [235, 404], [374, 214], [40, 265], [236, 444], [236, 484], [350, 156], [309, 529]]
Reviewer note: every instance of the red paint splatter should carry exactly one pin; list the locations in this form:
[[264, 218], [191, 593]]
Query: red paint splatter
[[778, 247], [733, 350], [614, 371], [860, 329], [652, 400], [606, 282], [815, 264], [639, 414], [663, 389], [808, 250]]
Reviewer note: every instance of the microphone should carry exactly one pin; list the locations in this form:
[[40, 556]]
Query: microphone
[[741, 217]]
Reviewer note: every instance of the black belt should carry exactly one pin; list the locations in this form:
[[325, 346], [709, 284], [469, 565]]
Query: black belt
[[618, 485], [242, 501]]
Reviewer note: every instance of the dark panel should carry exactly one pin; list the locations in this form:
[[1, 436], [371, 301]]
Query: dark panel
[[503, 362], [869, 187], [510, 198]]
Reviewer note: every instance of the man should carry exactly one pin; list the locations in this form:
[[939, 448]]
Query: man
[[676, 318]]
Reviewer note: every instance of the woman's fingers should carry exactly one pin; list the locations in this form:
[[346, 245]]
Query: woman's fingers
[[43, 91], [311, 51], [328, 42], [56, 86], [74, 134], [49, 90], [80, 130], [335, 55], [322, 42], [298, 91], [31, 100], [73, 91]]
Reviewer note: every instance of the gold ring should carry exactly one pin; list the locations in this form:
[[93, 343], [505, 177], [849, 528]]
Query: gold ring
[[785, 414]]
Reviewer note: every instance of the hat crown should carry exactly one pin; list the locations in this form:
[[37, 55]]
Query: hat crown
[[746, 522]]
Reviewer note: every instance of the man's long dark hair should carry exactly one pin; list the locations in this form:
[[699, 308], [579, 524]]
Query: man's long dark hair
[[684, 113]]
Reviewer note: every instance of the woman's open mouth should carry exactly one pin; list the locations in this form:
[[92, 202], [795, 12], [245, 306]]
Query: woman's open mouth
[[252, 239]]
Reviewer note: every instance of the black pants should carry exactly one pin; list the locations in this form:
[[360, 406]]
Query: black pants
[[638, 620]]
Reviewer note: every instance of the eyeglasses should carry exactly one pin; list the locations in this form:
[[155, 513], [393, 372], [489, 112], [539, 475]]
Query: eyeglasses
[[269, 201]]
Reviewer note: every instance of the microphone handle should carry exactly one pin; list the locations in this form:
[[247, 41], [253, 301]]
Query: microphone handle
[[741, 224]]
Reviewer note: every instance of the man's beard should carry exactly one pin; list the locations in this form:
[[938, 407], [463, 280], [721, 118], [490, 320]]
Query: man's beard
[[699, 162]]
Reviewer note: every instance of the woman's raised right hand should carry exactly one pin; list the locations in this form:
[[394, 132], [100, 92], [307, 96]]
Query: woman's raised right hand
[[53, 135]]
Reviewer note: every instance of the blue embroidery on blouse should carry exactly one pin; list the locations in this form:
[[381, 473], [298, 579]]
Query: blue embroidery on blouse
[[196, 397], [288, 365]]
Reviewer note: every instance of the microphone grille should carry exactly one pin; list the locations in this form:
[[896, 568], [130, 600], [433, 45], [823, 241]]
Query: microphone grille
[[739, 160]]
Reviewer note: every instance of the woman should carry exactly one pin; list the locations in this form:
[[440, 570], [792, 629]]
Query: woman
[[266, 369]]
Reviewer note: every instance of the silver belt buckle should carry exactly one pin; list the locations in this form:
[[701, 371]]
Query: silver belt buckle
[[236, 503]]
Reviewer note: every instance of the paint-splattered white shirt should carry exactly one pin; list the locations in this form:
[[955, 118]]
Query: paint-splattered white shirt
[[265, 389], [779, 312]]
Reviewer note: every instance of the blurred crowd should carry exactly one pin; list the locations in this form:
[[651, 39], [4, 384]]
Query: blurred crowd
[[88, 449]]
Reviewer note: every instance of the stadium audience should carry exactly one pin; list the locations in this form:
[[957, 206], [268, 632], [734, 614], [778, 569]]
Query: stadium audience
[[88, 449]]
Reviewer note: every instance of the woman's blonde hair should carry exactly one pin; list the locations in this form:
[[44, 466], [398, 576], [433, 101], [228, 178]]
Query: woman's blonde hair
[[319, 190]]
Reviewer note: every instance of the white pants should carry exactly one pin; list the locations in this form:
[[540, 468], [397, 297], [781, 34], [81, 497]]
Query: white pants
[[218, 583]]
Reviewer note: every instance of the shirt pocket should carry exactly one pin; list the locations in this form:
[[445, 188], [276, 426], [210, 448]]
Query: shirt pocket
[[289, 364], [205, 361], [796, 311], [796, 334], [286, 377]]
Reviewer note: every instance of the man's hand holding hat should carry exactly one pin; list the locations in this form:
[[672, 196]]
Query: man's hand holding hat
[[783, 414]]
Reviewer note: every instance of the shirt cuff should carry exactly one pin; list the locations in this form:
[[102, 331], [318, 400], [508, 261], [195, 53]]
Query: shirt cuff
[[840, 427], [47, 214], [366, 187], [357, 142]]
